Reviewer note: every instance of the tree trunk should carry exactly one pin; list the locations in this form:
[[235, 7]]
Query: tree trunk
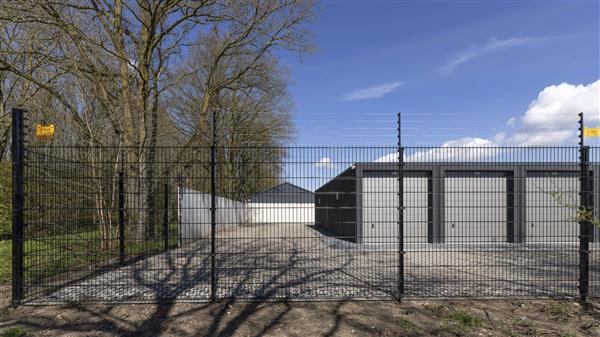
[[150, 186], [136, 193]]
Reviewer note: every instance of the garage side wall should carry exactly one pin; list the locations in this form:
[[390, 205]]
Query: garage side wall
[[335, 206], [194, 212]]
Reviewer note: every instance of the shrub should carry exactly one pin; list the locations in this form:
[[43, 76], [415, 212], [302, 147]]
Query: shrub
[[465, 320], [14, 332]]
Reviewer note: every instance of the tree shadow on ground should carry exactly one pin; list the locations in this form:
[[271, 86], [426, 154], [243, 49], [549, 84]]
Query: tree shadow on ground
[[229, 316]]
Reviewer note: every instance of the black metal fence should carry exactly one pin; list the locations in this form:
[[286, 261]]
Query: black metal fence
[[139, 224]]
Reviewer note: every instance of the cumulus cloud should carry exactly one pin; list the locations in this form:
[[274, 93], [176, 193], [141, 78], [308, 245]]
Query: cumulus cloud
[[324, 162], [457, 150], [550, 119], [371, 92], [493, 45], [388, 158]]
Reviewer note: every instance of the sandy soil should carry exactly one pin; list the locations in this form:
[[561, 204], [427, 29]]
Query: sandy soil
[[358, 318], [385, 318], [458, 272]]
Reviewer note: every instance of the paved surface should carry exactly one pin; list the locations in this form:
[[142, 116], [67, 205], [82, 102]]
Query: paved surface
[[297, 262]]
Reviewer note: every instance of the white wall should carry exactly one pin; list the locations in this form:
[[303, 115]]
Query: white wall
[[194, 213], [281, 213]]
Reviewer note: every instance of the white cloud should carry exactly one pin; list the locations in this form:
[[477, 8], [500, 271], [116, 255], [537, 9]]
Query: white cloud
[[557, 102], [324, 162], [458, 150], [388, 158], [551, 119], [493, 45], [371, 92]]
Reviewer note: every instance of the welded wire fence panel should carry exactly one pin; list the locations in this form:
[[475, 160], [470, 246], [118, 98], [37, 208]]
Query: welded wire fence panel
[[121, 224], [502, 222], [70, 216], [116, 224], [594, 231], [304, 237]]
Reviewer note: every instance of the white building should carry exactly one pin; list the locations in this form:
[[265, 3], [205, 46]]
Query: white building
[[284, 203]]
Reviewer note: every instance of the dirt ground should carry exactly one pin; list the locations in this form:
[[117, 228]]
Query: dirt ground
[[333, 318], [359, 318]]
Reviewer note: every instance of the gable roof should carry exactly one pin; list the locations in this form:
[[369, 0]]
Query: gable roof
[[284, 193]]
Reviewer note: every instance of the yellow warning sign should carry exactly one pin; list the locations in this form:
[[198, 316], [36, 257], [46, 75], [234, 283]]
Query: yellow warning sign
[[44, 131], [591, 132]]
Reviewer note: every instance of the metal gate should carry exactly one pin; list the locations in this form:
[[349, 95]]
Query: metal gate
[[206, 223]]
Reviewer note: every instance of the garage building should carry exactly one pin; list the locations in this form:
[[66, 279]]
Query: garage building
[[454, 203], [284, 203]]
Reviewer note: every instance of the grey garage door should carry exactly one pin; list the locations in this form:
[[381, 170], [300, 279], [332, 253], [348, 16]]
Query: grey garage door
[[475, 207], [552, 199], [380, 210]]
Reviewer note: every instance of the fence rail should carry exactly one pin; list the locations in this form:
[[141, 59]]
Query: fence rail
[[117, 224]]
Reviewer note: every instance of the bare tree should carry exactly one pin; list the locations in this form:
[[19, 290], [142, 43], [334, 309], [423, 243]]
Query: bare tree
[[252, 113], [107, 65]]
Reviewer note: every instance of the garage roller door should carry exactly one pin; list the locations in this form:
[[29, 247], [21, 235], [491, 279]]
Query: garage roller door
[[552, 199], [475, 209], [380, 210]]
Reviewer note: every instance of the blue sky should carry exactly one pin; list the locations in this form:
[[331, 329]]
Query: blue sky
[[455, 69]]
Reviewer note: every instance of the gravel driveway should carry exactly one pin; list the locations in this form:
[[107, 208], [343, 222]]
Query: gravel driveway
[[294, 261]]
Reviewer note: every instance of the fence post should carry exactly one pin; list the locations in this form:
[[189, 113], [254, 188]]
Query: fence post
[[584, 248], [166, 217], [121, 184], [400, 211], [18, 202], [213, 211]]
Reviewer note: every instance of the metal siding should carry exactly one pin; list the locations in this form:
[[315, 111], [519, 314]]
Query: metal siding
[[475, 209], [552, 209], [335, 206], [380, 210], [194, 212]]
